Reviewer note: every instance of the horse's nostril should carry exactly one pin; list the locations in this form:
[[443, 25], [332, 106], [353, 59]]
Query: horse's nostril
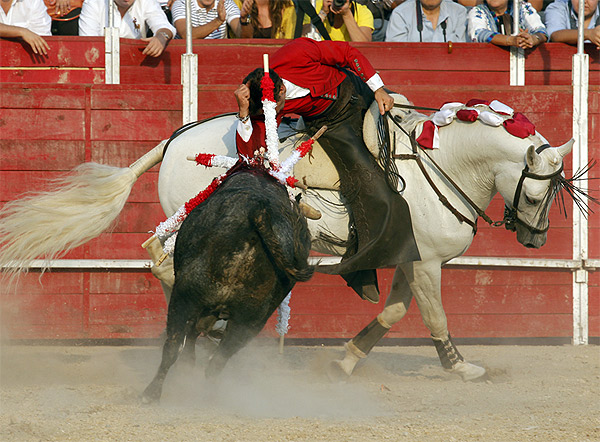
[[529, 245]]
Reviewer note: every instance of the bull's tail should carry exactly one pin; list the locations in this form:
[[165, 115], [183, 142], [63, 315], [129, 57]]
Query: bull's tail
[[296, 267], [78, 208]]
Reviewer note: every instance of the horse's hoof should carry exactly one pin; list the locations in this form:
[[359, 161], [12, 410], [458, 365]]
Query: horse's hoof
[[148, 400], [150, 396], [469, 372], [336, 372]]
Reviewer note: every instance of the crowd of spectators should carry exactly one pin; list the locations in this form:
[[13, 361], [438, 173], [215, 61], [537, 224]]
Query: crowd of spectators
[[158, 21]]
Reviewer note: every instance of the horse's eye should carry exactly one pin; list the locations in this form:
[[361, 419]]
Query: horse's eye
[[530, 201]]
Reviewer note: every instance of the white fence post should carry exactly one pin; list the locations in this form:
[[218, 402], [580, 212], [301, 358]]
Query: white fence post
[[189, 72], [517, 55], [112, 54], [580, 79]]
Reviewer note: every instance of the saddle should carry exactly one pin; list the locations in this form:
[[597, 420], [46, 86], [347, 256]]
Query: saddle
[[316, 169]]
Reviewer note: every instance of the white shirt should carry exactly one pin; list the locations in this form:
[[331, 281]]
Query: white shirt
[[142, 14], [200, 16], [29, 14]]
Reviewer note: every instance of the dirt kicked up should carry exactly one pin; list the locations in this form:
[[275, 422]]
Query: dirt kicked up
[[541, 393]]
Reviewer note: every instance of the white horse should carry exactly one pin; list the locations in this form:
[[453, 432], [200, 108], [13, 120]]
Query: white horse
[[477, 161]]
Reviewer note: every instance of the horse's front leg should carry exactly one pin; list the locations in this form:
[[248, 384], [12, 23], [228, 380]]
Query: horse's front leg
[[359, 347], [424, 279]]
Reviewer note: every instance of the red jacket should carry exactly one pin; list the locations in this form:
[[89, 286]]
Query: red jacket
[[314, 65]]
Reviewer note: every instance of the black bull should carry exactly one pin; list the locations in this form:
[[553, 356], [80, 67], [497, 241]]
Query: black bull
[[237, 256]]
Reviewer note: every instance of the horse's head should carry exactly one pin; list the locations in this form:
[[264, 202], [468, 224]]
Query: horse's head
[[533, 190]]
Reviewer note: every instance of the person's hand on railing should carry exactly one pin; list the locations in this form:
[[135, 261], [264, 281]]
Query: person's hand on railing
[[157, 43], [37, 43], [526, 40]]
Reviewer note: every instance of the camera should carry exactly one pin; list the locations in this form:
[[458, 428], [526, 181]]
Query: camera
[[337, 4]]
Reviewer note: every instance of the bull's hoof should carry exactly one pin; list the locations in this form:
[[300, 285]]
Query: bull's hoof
[[336, 372], [469, 372]]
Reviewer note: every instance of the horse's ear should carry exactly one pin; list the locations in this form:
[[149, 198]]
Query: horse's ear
[[533, 158], [565, 149]]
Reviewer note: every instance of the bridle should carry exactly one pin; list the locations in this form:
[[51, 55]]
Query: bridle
[[511, 218]]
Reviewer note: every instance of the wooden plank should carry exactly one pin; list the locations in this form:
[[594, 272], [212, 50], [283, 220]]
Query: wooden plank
[[123, 283], [139, 217], [473, 326], [64, 51], [121, 97], [42, 309], [36, 96], [127, 309], [52, 75], [129, 331], [43, 124], [15, 183], [119, 245], [40, 155], [125, 125], [34, 283], [122, 153], [559, 57]]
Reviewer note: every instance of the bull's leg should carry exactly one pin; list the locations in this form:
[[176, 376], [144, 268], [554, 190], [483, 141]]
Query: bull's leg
[[204, 325], [235, 338], [359, 347], [179, 325], [425, 282]]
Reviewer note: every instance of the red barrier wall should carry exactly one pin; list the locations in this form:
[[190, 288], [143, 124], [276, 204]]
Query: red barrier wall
[[47, 129]]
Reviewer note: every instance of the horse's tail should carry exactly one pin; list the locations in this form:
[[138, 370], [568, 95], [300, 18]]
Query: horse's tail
[[296, 267], [78, 208]]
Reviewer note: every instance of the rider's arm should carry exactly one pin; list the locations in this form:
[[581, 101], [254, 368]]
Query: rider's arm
[[337, 53]]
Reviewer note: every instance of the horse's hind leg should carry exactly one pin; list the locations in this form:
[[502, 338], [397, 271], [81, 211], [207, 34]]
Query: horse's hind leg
[[425, 282], [359, 347], [179, 325]]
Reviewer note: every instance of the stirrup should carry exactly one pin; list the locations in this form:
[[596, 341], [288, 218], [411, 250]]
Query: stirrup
[[309, 211]]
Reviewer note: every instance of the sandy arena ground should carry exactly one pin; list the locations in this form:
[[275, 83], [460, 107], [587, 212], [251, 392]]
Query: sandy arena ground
[[543, 393]]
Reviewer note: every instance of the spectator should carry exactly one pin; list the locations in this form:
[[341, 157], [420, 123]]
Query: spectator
[[37, 43], [209, 18], [562, 21], [441, 21], [538, 5], [64, 15], [28, 14], [132, 17], [267, 18], [491, 22], [165, 5], [351, 22]]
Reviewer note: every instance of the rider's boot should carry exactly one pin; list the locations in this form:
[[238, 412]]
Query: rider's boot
[[364, 282], [163, 272], [309, 211]]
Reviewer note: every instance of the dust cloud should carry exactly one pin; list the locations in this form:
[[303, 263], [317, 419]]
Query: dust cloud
[[68, 393]]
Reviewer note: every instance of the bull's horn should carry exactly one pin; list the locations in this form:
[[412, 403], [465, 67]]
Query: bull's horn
[[565, 149]]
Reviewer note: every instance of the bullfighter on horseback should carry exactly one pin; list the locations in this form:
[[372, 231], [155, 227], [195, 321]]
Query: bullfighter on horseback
[[331, 83]]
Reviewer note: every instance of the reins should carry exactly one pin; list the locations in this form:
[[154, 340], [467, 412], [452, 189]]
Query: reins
[[415, 156], [510, 214]]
